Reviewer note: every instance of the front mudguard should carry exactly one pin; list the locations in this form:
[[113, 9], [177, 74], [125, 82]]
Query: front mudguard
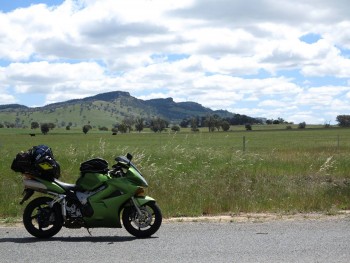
[[142, 200], [139, 200]]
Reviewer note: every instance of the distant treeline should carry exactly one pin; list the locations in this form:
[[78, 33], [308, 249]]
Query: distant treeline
[[237, 119]]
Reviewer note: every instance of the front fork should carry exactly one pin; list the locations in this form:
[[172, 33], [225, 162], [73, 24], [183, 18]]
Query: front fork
[[136, 205], [140, 201]]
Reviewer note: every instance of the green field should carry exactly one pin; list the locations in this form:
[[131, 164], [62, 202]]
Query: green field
[[191, 174]]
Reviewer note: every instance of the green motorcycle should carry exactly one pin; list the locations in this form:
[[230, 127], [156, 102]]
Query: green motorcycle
[[100, 198]]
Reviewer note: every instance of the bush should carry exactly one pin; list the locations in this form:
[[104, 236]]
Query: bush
[[175, 128], [103, 128], [86, 128], [302, 125], [225, 125]]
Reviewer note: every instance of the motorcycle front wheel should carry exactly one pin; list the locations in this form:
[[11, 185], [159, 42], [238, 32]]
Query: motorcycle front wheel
[[40, 219], [145, 224]]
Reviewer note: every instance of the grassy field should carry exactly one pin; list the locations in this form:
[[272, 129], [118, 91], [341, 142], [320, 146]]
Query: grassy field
[[192, 174]]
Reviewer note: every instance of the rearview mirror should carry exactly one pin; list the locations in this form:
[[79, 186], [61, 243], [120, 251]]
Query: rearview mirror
[[129, 156]]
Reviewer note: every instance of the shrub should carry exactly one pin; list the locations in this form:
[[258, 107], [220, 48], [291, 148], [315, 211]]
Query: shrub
[[86, 128], [302, 125], [103, 128], [175, 128]]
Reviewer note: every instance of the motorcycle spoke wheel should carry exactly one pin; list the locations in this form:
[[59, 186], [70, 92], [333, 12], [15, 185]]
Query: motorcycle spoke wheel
[[40, 220], [144, 224]]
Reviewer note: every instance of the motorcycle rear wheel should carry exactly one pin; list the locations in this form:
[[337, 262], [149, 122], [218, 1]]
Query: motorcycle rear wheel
[[41, 220], [144, 225]]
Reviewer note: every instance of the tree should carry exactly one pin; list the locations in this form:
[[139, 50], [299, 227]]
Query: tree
[[212, 122], [184, 123], [158, 124], [281, 120], [302, 125], [51, 125], [225, 125], [194, 124], [248, 127], [139, 124], [123, 128], [343, 120], [86, 128], [34, 125], [175, 128], [128, 122], [44, 128]]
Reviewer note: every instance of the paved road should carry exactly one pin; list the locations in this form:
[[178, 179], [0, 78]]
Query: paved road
[[275, 241]]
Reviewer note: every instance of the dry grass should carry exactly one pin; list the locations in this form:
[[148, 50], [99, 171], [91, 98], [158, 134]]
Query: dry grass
[[195, 174]]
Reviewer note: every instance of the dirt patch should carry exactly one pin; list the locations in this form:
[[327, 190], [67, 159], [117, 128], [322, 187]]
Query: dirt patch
[[261, 217]]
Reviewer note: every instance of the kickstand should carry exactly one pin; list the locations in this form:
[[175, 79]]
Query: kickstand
[[89, 232]]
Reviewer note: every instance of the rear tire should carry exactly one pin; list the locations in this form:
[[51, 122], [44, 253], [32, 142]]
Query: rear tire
[[144, 225], [40, 219]]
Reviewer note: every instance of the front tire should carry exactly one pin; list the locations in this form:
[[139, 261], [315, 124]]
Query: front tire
[[40, 219], [144, 225]]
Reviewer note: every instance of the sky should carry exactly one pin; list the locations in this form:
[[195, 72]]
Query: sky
[[262, 58]]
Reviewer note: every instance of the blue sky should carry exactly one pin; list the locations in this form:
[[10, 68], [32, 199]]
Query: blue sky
[[288, 59], [10, 5]]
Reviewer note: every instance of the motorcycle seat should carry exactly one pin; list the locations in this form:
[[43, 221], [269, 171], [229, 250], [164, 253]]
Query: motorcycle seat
[[66, 186]]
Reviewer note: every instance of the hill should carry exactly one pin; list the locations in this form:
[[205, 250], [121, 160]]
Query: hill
[[104, 109]]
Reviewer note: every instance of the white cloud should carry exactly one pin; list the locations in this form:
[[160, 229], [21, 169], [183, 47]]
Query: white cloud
[[7, 99], [272, 103], [232, 54], [43, 77]]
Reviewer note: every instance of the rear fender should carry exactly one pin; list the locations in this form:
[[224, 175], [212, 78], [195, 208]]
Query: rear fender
[[43, 186]]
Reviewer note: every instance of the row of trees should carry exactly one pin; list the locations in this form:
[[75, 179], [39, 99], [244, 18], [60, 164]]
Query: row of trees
[[212, 122]]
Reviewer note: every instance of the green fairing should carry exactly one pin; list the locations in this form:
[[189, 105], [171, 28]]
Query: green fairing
[[90, 181], [106, 206], [136, 177], [51, 186]]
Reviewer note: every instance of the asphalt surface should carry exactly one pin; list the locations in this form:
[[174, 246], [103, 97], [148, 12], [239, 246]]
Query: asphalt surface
[[275, 241]]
